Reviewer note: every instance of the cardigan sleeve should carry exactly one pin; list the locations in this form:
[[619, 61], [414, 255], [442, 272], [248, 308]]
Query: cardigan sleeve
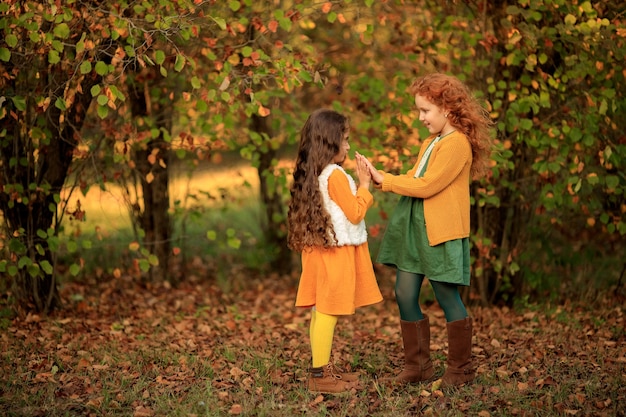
[[446, 162], [354, 206]]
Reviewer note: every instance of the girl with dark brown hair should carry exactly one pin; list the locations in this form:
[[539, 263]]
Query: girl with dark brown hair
[[326, 224]]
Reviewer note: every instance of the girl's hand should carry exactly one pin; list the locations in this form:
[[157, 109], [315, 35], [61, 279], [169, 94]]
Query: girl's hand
[[377, 177], [363, 172]]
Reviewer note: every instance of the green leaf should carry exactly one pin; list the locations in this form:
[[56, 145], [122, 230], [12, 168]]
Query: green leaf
[[526, 124], [246, 51], [5, 54], [144, 265], [202, 106], [163, 71], [95, 90], [19, 102], [24, 261], [220, 22], [11, 40], [195, 82], [612, 181], [180, 63], [60, 104], [85, 67], [234, 5], [47, 268], [153, 260], [103, 111], [34, 271], [159, 57], [53, 57], [34, 37], [102, 68], [234, 242], [74, 269], [62, 31], [17, 246], [72, 246], [211, 235], [53, 242]]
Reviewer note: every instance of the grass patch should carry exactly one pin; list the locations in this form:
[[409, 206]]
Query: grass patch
[[124, 349]]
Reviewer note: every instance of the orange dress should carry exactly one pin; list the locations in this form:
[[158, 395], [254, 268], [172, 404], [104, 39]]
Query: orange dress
[[338, 280]]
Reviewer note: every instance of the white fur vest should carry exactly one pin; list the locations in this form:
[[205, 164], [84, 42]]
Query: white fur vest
[[346, 232]]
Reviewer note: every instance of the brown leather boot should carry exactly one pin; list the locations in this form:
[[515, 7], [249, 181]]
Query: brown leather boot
[[416, 340], [325, 380], [346, 376], [460, 368]]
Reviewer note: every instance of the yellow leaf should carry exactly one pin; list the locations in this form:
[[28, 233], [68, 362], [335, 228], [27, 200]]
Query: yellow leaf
[[436, 385], [263, 111], [149, 177], [224, 85]]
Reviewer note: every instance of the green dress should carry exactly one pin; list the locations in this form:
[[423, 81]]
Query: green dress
[[405, 246]]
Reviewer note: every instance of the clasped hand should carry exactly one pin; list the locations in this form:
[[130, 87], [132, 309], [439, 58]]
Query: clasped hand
[[363, 164]]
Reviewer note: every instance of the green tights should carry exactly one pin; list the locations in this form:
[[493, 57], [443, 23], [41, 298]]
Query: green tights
[[408, 286]]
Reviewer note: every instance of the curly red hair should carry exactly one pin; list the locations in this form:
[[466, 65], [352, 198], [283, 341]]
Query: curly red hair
[[465, 113]]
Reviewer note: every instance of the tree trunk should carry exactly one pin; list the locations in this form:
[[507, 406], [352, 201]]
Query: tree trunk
[[43, 167], [155, 220], [273, 225], [152, 159]]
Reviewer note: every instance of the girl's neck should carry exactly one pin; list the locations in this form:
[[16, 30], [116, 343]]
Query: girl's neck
[[446, 131]]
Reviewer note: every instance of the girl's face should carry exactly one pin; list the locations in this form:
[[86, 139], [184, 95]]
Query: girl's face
[[343, 150], [433, 117]]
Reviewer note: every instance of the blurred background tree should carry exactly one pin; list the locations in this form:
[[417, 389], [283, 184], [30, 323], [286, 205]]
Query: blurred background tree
[[123, 94]]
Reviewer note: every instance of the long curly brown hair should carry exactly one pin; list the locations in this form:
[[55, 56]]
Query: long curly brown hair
[[308, 221], [465, 113]]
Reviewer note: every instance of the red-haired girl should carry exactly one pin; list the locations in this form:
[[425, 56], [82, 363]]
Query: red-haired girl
[[428, 232]]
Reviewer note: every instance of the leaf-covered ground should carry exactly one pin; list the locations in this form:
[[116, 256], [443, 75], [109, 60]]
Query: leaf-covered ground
[[124, 349]]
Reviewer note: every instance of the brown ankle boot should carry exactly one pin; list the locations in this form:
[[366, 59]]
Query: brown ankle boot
[[325, 380], [416, 340], [346, 376], [460, 368]]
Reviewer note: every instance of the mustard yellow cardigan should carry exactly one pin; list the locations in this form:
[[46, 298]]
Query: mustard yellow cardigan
[[444, 187]]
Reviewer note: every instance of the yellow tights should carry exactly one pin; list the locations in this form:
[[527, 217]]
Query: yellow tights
[[321, 334]]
